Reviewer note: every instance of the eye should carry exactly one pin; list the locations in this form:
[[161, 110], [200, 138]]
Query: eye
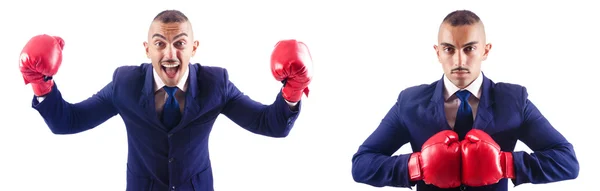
[[179, 44], [448, 49], [159, 44], [470, 48]]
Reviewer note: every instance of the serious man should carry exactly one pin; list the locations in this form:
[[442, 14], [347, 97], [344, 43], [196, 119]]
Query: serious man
[[170, 105], [463, 128]]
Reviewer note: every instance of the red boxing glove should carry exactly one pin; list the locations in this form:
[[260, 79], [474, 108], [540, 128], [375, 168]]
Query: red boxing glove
[[483, 163], [40, 59], [291, 63], [438, 163]]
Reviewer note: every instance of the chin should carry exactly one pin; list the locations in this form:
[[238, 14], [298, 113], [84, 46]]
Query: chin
[[463, 82]]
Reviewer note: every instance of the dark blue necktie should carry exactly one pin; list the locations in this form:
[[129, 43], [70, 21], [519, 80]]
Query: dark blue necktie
[[171, 114], [464, 116]]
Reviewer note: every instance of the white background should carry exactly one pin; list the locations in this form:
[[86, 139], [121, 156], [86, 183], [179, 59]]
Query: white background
[[364, 54]]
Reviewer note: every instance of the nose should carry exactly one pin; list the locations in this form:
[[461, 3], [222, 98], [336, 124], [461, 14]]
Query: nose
[[170, 52], [459, 59]]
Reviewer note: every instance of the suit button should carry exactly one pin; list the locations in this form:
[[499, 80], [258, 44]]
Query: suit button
[[169, 135], [170, 160], [463, 187], [173, 188]]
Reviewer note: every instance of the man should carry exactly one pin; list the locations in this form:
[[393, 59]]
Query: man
[[463, 128], [168, 106]]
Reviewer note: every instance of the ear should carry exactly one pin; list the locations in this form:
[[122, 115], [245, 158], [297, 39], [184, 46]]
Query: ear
[[437, 52], [146, 47], [488, 47], [195, 47]]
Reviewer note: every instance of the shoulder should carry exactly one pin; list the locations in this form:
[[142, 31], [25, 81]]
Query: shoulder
[[508, 95], [212, 79], [131, 72], [128, 81], [417, 93], [508, 91], [210, 74]]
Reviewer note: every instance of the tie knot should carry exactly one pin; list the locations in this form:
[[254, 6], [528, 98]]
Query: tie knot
[[463, 95], [170, 91]]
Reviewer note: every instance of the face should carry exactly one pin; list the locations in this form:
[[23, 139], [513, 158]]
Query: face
[[461, 50], [170, 47]]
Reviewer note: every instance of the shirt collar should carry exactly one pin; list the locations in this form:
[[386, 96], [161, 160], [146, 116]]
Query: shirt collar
[[474, 88], [159, 84]]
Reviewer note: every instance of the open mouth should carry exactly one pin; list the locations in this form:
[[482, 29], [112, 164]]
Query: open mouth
[[171, 69]]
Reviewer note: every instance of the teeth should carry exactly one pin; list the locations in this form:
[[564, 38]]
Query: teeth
[[170, 65]]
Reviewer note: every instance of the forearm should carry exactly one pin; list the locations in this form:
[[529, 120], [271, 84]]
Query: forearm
[[381, 170], [66, 118], [55, 111], [552, 165], [274, 120], [277, 119]]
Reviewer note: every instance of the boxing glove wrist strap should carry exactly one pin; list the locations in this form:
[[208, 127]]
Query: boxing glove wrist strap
[[293, 95], [43, 88], [414, 167], [508, 165]]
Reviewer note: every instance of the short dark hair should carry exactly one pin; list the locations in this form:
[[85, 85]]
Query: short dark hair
[[171, 16], [461, 17]]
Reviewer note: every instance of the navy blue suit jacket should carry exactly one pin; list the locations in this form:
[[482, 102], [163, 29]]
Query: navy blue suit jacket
[[504, 112], [158, 158]]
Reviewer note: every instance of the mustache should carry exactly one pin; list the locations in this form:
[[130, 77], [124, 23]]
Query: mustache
[[460, 69]]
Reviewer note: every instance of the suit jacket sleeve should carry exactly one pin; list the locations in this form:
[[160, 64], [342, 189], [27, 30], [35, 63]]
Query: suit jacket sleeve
[[373, 164], [63, 117], [274, 120], [553, 158]]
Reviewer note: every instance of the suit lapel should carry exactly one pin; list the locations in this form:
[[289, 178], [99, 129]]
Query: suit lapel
[[484, 111], [435, 109], [147, 99], [192, 107]]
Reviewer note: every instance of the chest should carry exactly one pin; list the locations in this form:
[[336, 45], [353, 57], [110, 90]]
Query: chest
[[141, 112], [501, 123]]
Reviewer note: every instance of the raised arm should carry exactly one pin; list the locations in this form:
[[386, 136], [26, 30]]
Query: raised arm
[[291, 64], [274, 120], [40, 60]]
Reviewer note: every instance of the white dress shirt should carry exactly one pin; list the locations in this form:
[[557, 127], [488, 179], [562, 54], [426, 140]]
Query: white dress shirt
[[451, 102]]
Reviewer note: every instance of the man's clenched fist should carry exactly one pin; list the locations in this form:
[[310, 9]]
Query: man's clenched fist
[[438, 163], [40, 59], [291, 63], [483, 163]]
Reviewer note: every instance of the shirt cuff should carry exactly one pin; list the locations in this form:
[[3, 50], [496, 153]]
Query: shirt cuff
[[291, 104]]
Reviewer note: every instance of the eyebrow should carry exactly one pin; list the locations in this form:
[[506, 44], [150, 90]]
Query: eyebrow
[[163, 37], [450, 45]]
